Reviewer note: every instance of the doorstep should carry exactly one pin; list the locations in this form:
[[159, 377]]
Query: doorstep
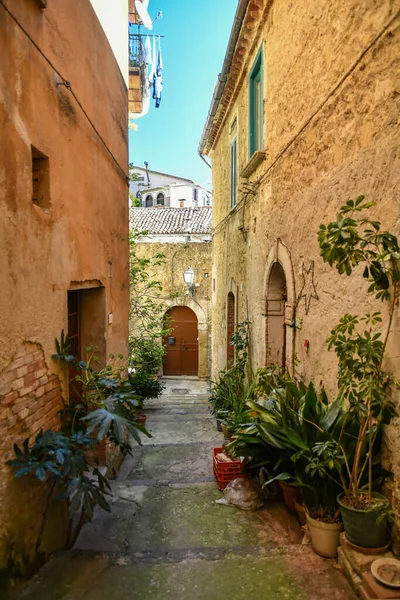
[[356, 568]]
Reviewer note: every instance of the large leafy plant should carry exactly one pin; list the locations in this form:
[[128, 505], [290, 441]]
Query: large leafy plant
[[231, 389], [294, 436], [147, 309], [364, 386], [61, 461], [102, 402]]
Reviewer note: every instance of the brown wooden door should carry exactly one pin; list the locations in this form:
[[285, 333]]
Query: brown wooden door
[[182, 357]]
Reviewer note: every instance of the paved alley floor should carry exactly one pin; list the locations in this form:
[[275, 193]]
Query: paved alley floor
[[167, 539]]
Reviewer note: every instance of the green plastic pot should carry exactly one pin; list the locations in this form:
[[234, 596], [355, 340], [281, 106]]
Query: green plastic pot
[[361, 527]]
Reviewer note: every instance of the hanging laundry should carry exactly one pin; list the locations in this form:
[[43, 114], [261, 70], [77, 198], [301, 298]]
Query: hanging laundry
[[153, 64], [146, 82], [157, 80], [141, 7], [147, 51]]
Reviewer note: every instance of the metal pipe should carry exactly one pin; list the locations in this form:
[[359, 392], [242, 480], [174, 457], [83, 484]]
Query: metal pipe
[[207, 163]]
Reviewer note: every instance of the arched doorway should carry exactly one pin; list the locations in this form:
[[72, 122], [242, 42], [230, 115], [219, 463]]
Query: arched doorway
[[276, 327], [182, 357]]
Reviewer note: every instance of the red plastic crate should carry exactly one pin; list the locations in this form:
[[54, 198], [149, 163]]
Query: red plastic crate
[[226, 472]]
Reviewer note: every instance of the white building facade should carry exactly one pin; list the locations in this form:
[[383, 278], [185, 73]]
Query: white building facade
[[156, 188]]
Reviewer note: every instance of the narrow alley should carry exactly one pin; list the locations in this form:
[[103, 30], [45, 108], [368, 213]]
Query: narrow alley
[[166, 538]]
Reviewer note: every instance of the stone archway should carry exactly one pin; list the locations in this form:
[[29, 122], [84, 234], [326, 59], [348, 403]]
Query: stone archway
[[202, 331], [280, 300]]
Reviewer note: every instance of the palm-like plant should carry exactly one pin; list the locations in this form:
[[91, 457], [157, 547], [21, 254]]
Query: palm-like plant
[[295, 434], [363, 384]]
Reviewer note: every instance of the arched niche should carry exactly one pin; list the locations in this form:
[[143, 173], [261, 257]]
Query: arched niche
[[280, 302]]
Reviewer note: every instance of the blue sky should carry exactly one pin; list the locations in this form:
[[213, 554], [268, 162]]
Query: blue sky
[[196, 36]]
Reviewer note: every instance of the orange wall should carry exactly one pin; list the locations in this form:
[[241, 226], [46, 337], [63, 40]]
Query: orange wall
[[84, 237]]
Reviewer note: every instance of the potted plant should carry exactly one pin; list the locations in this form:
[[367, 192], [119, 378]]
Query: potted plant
[[293, 435], [227, 401], [145, 387], [364, 386]]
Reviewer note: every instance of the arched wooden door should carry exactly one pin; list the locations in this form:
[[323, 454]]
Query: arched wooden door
[[182, 357]]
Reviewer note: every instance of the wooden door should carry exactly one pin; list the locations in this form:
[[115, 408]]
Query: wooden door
[[182, 357]]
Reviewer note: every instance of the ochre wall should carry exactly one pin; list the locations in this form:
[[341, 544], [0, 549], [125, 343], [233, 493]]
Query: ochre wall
[[331, 132], [179, 256], [81, 241]]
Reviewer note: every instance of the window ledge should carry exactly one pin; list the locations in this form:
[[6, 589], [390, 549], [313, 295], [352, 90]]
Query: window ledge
[[253, 163]]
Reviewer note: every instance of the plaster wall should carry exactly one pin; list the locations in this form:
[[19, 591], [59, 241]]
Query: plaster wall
[[331, 83], [79, 240], [113, 17], [179, 256]]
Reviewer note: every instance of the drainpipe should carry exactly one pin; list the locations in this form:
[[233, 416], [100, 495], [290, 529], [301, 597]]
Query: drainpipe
[[146, 164]]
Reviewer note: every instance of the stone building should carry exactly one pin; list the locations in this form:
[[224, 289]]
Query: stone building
[[183, 235], [63, 232], [304, 116], [155, 188]]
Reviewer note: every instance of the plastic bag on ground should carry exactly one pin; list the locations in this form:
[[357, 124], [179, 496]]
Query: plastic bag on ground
[[242, 493]]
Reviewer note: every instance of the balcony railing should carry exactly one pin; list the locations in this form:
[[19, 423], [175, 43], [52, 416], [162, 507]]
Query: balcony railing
[[136, 50]]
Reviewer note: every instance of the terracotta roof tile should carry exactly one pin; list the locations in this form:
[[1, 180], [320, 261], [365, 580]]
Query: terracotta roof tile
[[158, 220]]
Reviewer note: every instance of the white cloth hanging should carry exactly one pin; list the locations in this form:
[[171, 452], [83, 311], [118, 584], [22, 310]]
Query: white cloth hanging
[[153, 64], [141, 7], [147, 51]]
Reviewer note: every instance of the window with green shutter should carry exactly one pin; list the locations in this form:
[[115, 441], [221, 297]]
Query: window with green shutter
[[256, 105]]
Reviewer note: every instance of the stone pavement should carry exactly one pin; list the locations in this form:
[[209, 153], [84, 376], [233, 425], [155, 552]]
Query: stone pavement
[[167, 539]]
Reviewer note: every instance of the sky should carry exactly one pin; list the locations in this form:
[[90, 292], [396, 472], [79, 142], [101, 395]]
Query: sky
[[196, 38]]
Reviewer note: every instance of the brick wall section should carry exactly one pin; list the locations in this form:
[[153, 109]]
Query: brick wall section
[[30, 397], [230, 328]]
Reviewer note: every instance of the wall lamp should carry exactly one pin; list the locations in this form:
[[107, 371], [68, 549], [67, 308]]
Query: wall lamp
[[188, 276]]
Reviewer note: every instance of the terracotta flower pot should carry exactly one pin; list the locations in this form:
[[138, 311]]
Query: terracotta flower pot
[[301, 513], [290, 494], [324, 536], [227, 432]]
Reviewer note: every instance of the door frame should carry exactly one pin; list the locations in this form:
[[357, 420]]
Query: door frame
[[202, 331], [279, 253]]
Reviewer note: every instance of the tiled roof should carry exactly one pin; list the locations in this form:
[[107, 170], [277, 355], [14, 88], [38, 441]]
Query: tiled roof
[[160, 219]]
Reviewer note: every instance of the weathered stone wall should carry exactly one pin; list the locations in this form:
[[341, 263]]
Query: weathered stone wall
[[331, 129], [79, 239], [179, 256]]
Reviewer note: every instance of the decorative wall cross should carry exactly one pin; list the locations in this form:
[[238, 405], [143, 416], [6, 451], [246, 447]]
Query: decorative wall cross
[[308, 289]]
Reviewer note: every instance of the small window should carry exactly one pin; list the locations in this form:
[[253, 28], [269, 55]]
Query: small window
[[256, 106], [149, 200], [182, 203], [161, 199], [195, 195], [233, 172], [140, 179], [40, 179]]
